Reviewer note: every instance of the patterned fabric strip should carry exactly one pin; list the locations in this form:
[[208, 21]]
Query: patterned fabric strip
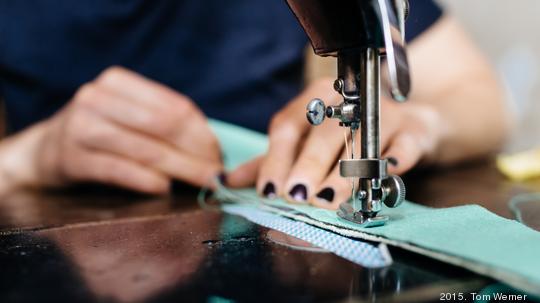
[[363, 253]]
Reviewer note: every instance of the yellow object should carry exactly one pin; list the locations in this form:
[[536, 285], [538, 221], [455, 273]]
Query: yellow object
[[520, 166]]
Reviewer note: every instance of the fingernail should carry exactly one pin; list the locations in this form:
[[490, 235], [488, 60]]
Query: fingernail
[[222, 177], [393, 161], [326, 194], [269, 190], [298, 193]]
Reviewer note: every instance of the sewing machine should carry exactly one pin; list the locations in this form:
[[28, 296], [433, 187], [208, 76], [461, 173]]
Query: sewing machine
[[359, 33]]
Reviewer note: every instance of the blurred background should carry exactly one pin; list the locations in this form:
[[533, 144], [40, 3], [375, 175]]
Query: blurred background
[[507, 32]]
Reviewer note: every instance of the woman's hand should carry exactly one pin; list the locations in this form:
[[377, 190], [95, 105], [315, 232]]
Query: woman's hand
[[301, 163], [121, 129]]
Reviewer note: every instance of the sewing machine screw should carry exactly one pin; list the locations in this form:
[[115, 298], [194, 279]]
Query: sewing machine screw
[[338, 85], [315, 111], [406, 9], [361, 195], [394, 191]]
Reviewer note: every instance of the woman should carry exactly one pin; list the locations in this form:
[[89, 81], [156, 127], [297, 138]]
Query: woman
[[73, 118]]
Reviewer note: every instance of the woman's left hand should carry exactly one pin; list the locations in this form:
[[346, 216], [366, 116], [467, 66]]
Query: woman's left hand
[[301, 163]]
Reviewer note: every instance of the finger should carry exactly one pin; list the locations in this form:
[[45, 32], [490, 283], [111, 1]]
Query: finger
[[245, 175], [406, 150], [118, 109], [136, 87], [319, 154], [278, 161], [114, 170], [333, 190], [198, 139], [286, 135], [391, 119], [110, 138]]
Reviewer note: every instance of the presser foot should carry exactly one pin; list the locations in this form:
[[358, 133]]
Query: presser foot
[[347, 212]]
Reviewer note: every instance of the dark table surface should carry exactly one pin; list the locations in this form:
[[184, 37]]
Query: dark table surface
[[94, 244]]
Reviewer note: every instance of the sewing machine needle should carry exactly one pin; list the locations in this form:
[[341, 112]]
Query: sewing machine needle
[[353, 143]]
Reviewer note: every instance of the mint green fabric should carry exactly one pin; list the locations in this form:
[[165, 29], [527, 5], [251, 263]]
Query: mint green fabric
[[469, 236]]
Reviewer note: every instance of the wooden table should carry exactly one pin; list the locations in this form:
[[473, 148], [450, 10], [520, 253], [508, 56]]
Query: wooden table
[[96, 244]]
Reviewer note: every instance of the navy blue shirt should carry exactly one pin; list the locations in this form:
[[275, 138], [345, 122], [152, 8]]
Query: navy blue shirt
[[239, 60]]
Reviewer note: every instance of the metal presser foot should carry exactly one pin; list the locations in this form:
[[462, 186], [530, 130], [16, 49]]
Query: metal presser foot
[[393, 191], [347, 212]]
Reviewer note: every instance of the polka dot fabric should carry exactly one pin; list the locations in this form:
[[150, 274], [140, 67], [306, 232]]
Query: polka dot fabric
[[363, 253]]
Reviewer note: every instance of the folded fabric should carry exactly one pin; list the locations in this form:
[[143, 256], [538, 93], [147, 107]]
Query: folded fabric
[[468, 236]]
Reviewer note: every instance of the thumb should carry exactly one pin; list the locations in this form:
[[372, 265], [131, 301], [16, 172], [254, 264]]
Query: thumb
[[246, 174], [405, 149]]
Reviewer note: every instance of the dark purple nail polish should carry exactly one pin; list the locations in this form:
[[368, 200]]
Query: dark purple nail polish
[[326, 194], [269, 190], [393, 161], [222, 177], [298, 193]]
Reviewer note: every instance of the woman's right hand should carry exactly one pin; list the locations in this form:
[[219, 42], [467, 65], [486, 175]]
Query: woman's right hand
[[120, 129]]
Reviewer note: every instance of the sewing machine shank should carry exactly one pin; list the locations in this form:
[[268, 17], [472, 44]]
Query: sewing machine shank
[[359, 33]]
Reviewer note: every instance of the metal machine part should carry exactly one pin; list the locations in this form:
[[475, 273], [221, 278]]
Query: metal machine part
[[381, 24]]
